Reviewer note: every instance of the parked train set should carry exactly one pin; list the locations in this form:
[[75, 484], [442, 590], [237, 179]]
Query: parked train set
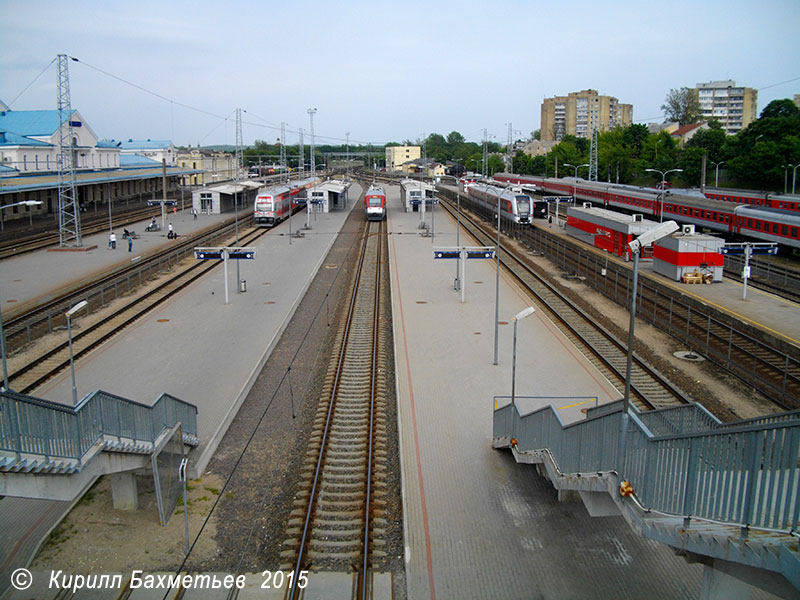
[[274, 204], [764, 223]]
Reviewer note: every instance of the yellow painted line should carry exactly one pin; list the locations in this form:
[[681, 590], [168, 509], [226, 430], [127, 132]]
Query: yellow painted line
[[577, 404]]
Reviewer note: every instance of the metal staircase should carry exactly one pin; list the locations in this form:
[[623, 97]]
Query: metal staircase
[[725, 495], [103, 434]]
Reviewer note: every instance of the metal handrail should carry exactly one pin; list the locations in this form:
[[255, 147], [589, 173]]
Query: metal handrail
[[745, 474], [30, 425]]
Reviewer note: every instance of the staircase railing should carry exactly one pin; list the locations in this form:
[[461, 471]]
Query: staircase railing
[[34, 426]]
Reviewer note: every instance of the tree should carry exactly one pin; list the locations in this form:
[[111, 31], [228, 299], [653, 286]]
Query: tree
[[454, 139], [536, 134], [682, 106]]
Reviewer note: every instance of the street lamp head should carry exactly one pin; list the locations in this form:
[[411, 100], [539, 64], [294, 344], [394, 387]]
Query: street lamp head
[[653, 235], [524, 313], [32, 202], [76, 308], [653, 170]]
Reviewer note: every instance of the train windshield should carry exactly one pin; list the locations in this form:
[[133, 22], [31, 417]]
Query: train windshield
[[264, 204], [374, 201], [523, 205]]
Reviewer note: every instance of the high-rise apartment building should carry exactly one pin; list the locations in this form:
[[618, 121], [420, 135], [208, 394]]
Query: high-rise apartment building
[[579, 113], [734, 107]]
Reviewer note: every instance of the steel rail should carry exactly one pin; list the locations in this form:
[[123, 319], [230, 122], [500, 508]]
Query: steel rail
[[328, 420], [94, 333], [605, 347]]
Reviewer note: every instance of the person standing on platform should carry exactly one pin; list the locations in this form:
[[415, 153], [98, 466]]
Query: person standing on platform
[[194, 213], [550, 221], [170, 234], [130, 243], [112, 241]]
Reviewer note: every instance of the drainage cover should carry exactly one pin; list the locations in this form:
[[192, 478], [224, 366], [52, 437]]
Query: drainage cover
[[688, 355]]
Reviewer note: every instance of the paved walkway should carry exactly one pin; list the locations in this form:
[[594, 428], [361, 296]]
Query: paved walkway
[[478, 525]]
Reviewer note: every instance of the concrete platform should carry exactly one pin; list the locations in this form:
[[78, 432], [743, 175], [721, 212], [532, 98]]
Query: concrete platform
[[39, 274], [194, 347], [478, 525], [761, 309]]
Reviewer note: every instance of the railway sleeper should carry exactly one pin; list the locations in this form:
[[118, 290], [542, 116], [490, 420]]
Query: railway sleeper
[[332, 534]]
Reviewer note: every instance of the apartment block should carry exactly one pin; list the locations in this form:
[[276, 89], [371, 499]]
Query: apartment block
[[734, 107], [579, 113], [396, 156]]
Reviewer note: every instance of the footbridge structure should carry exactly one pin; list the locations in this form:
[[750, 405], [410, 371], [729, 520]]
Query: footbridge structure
[[724, 495], [53, 451]]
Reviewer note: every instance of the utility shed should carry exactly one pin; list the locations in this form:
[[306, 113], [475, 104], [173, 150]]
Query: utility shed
[[220, 198], [606, 229], [331, 195], [689, 257]]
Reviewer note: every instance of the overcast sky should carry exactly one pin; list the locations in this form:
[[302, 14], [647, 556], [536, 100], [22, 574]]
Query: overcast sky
[[379, 70]]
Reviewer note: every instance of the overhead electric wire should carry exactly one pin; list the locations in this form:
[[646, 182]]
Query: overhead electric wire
[[255, 429], [200, 110], [31, 83]]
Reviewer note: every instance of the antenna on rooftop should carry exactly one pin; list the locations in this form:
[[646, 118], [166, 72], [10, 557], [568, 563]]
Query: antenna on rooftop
[[69, 216]]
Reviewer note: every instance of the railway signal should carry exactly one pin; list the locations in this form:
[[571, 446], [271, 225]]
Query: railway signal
[[224, 253]]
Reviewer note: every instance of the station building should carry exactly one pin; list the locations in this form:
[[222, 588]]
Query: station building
[[104, 172]]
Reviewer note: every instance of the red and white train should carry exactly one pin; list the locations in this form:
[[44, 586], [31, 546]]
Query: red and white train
[[274, 204], [375, 203], [762, 223]]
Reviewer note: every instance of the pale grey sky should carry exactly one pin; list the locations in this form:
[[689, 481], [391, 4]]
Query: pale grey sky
[[382, 71]]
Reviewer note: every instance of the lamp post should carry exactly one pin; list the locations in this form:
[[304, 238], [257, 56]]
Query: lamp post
[[794, 176], [69, 314], [574, 187], [647, 238], [518, 317], [23, 203], [663, 184], [497, 284], [786, 178], [716, 176], [2, 333]]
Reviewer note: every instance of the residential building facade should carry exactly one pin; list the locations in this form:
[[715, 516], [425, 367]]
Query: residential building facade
[[396, 156], [579, 113], [214, 166], [734, 107]]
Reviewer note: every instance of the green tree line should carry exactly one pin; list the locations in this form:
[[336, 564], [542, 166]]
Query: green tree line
[[756, 157]]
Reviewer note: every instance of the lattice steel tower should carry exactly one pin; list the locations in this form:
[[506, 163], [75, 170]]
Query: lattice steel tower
[[301, 159], [69, 216], [284, 174], [484, 166], [311, 113], [593, 156], [239, 144]]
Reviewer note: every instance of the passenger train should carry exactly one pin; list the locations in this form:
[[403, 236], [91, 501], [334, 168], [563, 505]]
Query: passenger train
[[274, 204], [762, 223], [766, 199], [514, 205], [375, 203]]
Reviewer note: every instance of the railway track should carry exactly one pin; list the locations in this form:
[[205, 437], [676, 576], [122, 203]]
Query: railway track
[[15, 246], [33, 320], [649, 389], [41, 366], [337, 523]]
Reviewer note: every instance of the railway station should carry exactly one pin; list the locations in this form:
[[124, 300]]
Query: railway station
[[487, 510]]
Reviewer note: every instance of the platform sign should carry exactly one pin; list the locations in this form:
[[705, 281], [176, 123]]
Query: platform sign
[[224, 253], [160, 202], [748, 249], [462, 254], [556, 198]]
